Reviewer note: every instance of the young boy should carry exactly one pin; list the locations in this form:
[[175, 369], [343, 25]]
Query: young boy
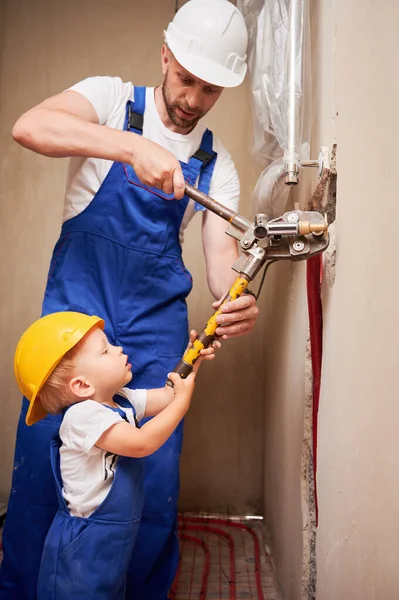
[[64, 363]]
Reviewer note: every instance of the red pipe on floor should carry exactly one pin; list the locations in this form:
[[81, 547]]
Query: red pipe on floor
[[220, 521], [313, 280], [229, 539], [205, 573]]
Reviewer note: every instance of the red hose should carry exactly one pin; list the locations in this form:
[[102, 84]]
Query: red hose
[[314, 278]]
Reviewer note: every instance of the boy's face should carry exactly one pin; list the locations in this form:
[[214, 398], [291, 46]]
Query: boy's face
[[104, 366]]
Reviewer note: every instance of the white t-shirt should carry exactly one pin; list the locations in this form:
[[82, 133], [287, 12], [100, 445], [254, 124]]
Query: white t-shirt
[[109, 96], [87, 471]]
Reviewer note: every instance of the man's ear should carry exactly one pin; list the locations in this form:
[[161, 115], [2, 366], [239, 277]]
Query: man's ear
[[81, 388], [165, 58]]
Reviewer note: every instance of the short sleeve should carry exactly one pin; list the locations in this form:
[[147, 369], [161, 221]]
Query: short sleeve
[[106, 94], [84, 423], [137, 398], [225, 183]]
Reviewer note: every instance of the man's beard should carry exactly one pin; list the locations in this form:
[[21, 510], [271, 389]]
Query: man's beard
[[171, 109]]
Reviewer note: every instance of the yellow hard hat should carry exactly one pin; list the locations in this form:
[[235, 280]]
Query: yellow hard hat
[[42, 347]]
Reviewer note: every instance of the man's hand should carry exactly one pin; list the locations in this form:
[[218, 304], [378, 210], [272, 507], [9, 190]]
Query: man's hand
[[238, 316], [157, 167], [206, 353]]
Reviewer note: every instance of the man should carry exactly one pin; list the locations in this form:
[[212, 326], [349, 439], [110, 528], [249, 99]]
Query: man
[[119, 257]]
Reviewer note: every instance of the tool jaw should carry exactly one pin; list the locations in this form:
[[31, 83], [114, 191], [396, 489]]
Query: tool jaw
[[296, 235]]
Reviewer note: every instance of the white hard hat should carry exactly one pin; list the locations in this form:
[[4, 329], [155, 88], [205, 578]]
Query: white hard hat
[[209, 39]]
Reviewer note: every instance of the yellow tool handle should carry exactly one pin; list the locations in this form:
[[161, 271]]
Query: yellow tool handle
[[207, 335]]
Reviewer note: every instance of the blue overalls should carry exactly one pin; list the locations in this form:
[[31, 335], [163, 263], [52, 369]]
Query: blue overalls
[[119, 259], [88, 558]]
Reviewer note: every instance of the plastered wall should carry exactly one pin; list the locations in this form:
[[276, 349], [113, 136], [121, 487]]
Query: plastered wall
[[355, 96], [286, 316], [357, 549], [288, 371], [48, 45]]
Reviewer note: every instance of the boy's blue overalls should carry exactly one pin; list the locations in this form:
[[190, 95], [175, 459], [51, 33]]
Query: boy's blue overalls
[[88, 558], [119, 259]]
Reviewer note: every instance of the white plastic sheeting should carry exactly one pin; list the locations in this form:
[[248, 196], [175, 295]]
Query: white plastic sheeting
[[279, 71]]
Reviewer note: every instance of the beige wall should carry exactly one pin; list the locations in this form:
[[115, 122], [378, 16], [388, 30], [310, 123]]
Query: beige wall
[[357, 545], [2, 27], [48, 45], [355, 98], [286, 317], [287, 361]]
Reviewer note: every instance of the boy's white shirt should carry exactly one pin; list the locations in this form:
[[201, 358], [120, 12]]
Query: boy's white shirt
[[87, 471]]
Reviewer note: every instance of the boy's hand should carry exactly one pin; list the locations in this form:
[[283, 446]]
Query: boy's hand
[[183, 388], [206, 353]]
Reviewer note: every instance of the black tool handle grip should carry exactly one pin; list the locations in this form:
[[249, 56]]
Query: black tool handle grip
[[183, 369]]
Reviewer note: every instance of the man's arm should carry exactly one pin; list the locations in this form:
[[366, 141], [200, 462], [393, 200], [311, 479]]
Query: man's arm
[[67, 125], [221, 252]]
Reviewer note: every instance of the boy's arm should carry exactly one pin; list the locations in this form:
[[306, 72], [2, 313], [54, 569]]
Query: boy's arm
[[167, 405], [126, 440], [157, 400]]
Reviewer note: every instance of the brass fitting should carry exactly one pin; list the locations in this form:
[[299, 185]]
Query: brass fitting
[[305, 227]]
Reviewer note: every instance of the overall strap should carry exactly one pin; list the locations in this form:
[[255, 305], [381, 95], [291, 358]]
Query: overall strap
[[202, 164], [126, 404], [135, 111], [122, 402], [55, 446]]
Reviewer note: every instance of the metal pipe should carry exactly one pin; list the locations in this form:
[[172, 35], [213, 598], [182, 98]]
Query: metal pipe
[[208, 202], [310, 163], [295, 42], [226, 213]]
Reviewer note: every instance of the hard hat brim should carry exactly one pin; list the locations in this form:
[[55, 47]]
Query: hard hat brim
[[207, 70], [36, 412]]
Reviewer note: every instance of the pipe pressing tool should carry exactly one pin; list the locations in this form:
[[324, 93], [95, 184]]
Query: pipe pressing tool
[[296, 235]]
